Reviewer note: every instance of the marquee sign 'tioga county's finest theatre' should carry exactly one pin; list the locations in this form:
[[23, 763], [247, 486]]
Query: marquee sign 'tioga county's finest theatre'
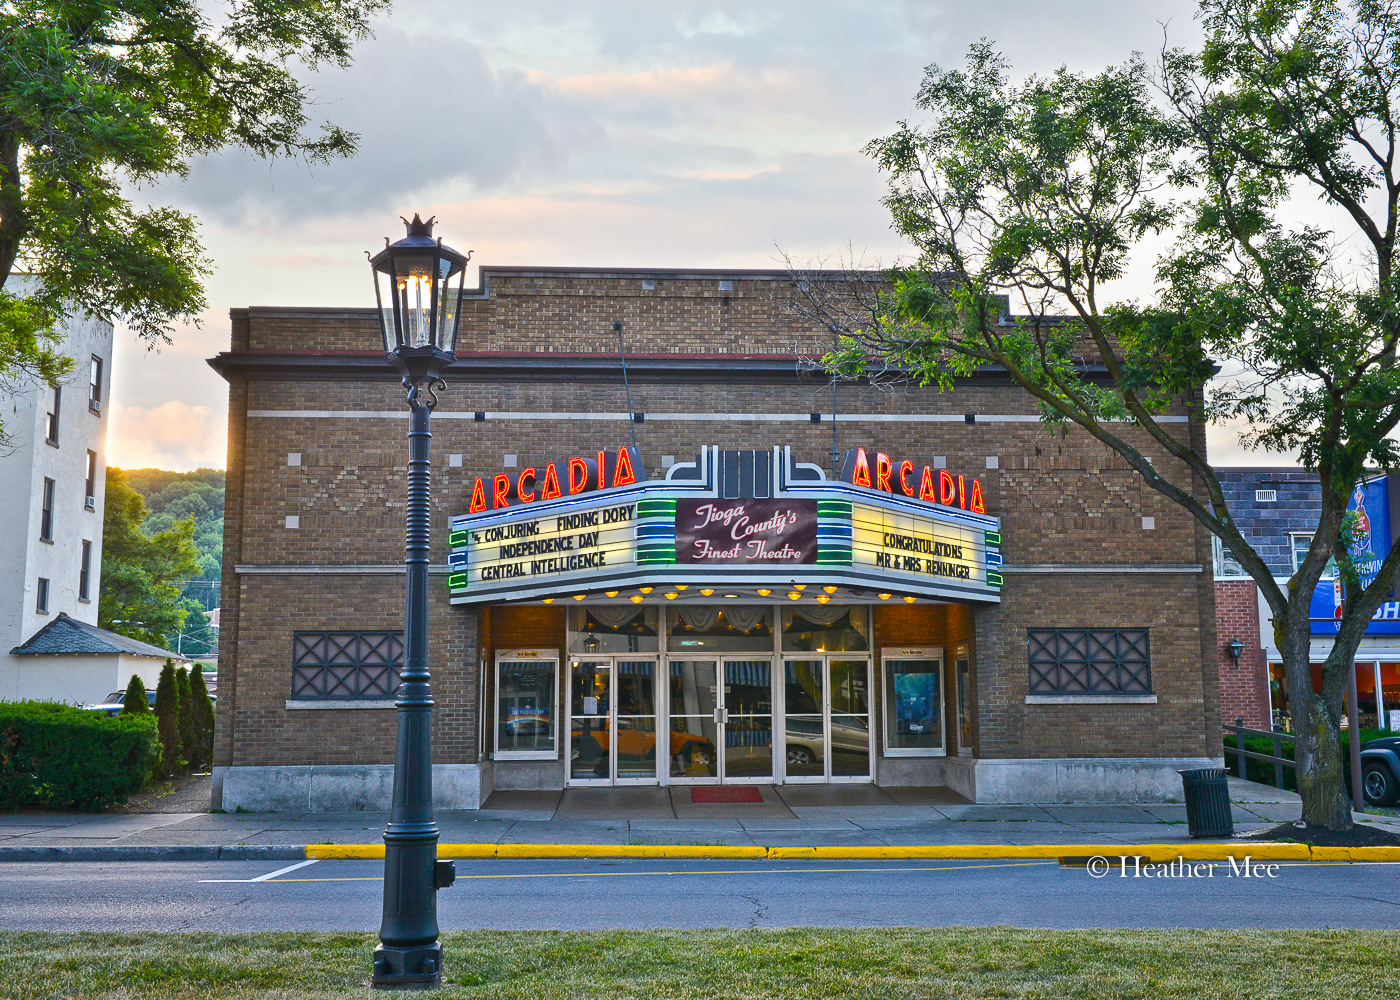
[[912, 589]]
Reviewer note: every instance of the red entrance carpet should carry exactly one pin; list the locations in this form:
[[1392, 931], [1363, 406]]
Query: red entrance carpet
[[737, 793]]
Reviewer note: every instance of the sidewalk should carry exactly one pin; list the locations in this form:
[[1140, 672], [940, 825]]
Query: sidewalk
[[788, 816]]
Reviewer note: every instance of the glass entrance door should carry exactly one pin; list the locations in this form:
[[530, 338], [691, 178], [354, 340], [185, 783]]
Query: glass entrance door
[[746, 720], [612, 720], [827, 718], [695, 714], [721, 731]]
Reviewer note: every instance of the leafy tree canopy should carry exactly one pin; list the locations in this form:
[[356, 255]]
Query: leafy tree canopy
[[100, 97], [1025, 201], [142, 576]]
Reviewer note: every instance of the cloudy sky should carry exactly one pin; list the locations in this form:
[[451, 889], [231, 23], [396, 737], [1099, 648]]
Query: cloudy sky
[[617, 132]]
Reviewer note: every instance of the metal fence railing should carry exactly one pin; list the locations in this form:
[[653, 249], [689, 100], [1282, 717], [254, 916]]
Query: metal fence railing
[[1239, 731]]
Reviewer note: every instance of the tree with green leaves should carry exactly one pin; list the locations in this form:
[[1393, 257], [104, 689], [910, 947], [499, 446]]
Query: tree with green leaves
[[168, 719], [101, 97], [203, 718], [135, 702], [142, 575], [1026, 200]]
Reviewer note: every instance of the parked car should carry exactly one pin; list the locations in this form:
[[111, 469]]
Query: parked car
[[112, 704], [695, 751], [1380, 770], [804, 739]]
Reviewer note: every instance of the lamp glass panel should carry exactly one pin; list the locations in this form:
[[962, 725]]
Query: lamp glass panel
[[449, 306], [384, 294], [414, 285]]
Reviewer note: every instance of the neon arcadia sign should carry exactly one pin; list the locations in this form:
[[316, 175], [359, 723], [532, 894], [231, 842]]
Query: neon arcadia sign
[[908, 480], [742, 518]]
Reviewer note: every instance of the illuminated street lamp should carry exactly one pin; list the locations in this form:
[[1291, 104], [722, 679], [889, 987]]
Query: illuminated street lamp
[[418, 285]]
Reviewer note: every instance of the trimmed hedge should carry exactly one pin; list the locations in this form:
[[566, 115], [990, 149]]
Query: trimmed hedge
[[1262, 771], [68, 758]]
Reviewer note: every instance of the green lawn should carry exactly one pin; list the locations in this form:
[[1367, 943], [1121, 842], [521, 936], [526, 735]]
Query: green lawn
[[725, 965]]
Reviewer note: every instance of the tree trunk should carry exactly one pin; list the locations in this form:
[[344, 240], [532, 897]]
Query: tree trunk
[[1317, 748]]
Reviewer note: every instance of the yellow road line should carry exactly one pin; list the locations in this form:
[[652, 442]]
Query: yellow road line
[[735, 871]]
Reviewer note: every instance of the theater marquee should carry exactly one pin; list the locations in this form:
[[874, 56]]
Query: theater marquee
[[614, 530]]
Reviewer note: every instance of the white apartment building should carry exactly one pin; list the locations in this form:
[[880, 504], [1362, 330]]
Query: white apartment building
[[52, 476]]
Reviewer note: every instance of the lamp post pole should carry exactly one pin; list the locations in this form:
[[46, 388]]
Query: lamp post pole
[[418, 317], [409, 953]]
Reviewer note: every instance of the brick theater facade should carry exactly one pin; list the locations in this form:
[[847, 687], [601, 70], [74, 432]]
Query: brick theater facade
[[1048, 637]]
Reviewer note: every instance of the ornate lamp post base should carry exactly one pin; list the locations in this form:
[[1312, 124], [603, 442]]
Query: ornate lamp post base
[[417, 968]]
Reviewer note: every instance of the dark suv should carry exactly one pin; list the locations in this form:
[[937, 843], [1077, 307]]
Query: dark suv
[[1380, 770]]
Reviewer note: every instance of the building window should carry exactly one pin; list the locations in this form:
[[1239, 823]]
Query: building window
[[1226, 565], [1302, 541], [962, 673], [51, 434], [344, 666], [41, 596], [913, 702], [95, 385], [46, 513], [1089, 661], [527, 699], [90, 483], [85, 571]]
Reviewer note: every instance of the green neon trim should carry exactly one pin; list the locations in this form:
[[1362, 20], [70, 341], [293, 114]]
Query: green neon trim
[[994, 579], [655, 508], [457, 581], [993, 537], [458, 538]]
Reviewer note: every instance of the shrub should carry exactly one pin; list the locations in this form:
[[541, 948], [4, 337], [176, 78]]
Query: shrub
[[203, 717], [189, 738], [68, 758], [134, 701], [168, 719]]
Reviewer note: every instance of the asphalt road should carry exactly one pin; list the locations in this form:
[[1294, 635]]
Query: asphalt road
[[598, 894]]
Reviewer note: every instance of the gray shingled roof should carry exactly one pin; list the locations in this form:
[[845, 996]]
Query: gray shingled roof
[[68, 635]]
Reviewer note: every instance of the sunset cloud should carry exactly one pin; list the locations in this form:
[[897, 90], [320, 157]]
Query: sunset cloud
[[173, 435]]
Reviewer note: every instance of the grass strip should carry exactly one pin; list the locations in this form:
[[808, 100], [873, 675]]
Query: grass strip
[[811, 964]]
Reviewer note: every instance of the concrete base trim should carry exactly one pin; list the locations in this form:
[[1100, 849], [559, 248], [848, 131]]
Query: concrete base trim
[[367, 787], [1072, 779]]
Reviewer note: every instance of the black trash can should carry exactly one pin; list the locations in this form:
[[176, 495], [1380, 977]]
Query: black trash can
[[1207, 802]]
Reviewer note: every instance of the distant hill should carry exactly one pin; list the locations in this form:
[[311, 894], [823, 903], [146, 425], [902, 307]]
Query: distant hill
[[171, 496]]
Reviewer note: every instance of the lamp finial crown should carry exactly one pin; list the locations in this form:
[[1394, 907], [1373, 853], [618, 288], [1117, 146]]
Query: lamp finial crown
[[418, 227]]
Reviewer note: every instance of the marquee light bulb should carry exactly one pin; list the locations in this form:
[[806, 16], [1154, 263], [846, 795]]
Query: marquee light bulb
[[731, 595], [830, 590], [646, 590], [823, 599], [707, 593], [763, 593], [636, 599], [909, 600], [549, 600], [794, 596], [884, 597], [610, 593], [799, 586], [672, 596], [681, 586], [579, 597]]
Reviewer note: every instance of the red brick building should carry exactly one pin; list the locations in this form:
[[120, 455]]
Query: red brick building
[[1004, 611]]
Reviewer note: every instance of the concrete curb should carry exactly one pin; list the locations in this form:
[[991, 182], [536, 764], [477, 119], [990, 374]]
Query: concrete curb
[[946, 852], [156, 852], [952, 852]]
